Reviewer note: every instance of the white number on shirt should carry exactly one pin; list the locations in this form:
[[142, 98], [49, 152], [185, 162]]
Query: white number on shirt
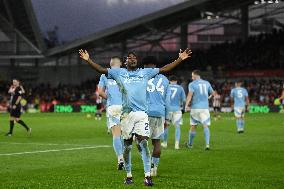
[[202, 89], [173, 92], [239, 93], [159, 87]]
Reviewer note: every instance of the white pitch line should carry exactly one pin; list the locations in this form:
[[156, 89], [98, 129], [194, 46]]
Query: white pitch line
[[57, 150], [44, 144]]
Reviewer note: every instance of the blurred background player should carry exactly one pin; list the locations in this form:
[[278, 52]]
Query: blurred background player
[[157, 97], [239, 103], [176, 104], [16, 91], [133, 86], [99, 103], [198, 105], [108, 89], [216, 105]]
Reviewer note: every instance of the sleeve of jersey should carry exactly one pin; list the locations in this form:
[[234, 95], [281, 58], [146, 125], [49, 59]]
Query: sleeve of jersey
[[102, 82], [190, 88], [232, 93], [151, 72], [246, 93]]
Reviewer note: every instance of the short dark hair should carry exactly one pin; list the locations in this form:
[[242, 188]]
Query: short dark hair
[[196, 72], [149, 60], [173, 78], [239, 81], [132, 52]]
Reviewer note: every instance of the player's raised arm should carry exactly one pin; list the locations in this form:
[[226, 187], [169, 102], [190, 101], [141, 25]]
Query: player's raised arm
[[182, 56], [85, 56]]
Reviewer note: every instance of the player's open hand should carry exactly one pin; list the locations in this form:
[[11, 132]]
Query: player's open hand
[[84, 54], [184, 54]]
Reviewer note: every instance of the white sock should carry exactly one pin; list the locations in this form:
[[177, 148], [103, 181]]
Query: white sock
[[120, 158], [129, 174], [148, 174]]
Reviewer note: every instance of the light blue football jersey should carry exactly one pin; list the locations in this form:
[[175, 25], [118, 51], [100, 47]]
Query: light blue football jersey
[[177, 98], [133, 86], [239, 94], [201, 89], [157, 96], [114, 96]]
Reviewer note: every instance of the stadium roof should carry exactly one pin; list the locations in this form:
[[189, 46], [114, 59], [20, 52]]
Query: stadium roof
[[20, 15], [173, 16], [24, 20]]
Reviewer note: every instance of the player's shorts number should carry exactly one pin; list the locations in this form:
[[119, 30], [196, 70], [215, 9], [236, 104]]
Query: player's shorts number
[[146, 126]]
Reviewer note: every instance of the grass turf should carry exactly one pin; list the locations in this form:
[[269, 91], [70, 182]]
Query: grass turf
[[254, 159]]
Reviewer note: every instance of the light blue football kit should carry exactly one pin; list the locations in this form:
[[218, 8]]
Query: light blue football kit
[[177, 100], [114, 106], [199, 112], [133, 86], [157, 98], [239, 95]]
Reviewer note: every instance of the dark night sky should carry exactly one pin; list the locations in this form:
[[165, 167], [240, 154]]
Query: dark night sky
[[79, 18]]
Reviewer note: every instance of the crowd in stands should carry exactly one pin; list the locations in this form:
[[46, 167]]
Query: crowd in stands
[[264, 51], [44, 96], [261, 52]]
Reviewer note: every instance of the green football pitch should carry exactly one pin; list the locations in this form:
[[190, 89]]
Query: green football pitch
[[73, 151]]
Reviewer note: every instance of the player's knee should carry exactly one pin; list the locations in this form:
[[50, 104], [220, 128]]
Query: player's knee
[[140, 138], [127, 148], [144, 142], [205, 126], [116, 131]]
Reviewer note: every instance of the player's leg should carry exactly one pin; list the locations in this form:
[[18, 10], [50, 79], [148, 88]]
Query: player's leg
[[17, 115], [127, 126], [113, 120], [164, 136], [156, 154], [238, 113], [11, 121], [142, 133], [127, 160], [146, 158], [22, 123], [242, 122], [156, 130], [205, 120], [177, 117], [117, 145], [192, 131], [191, 136], [215, 112], [206, 136]]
